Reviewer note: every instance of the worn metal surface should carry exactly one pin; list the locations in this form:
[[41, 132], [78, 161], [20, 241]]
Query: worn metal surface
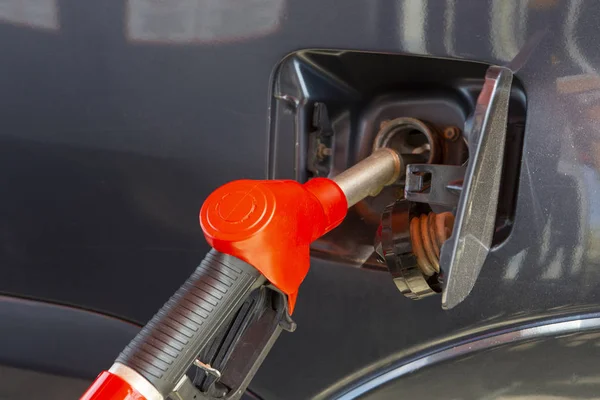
[[367, 177], [117, 122]]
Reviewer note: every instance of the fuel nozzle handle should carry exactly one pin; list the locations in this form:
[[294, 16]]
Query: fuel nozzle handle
[[227, 315], [152, 365]]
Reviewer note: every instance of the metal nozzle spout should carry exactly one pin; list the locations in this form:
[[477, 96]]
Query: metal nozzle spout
[[370, 175]]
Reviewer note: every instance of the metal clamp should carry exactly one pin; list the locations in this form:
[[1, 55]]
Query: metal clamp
[[440, 189], [215, 373], [393, 246]]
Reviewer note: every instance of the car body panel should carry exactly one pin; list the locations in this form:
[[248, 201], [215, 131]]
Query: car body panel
[[116, 130]]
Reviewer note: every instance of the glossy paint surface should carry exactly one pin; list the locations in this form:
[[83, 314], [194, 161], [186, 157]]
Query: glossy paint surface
[[119, 118], [503, 373]]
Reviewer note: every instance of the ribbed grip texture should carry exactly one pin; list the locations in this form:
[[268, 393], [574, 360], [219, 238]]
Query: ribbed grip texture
[[166, 347]]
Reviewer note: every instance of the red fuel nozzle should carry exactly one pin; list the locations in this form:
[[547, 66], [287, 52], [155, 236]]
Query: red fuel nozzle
[[270, 225], [258, 229]]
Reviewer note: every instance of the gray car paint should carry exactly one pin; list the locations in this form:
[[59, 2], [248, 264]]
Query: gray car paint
[[113, 135]]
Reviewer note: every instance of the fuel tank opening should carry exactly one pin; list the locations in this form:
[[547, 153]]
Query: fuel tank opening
[[330, 109], [414, 140]]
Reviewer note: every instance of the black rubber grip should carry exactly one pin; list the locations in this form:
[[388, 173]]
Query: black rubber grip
[[167, 346]]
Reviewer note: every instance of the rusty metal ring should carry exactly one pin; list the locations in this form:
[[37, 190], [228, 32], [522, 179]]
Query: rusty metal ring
[[428, 240], [418, 247], [405, 125], [428, 232]]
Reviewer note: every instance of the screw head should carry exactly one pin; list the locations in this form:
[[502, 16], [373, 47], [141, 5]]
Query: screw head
[[451, 133]]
